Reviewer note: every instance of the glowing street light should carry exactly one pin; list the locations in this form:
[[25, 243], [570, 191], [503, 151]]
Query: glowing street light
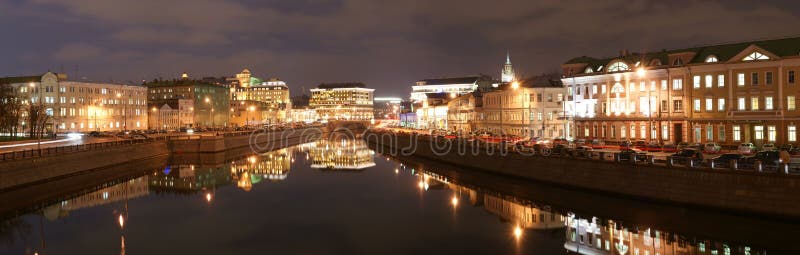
[[208, 197], [121, 221], [517, 232], [515, 85], [640, 72], [454, 201]]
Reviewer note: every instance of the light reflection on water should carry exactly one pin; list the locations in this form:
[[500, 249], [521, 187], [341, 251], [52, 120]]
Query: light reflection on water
[[340, 197]]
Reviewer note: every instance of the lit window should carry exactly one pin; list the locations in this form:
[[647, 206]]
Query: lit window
[[740, 103], [618, 88], [588, 70], [754, 103], [768, 103], [709, 132], [709, 104], [664, 85], [603, 89], [792, 133], [721, 133], [677, 62], [696, 105], [771, 133], [790, 105], [711, 59], [737, 133], [755, 56], [740, 79], [721, 104], [721, 80], [677, 84], [709, 81], [759, 132], [696, 81], [618, 67], [664, 132]]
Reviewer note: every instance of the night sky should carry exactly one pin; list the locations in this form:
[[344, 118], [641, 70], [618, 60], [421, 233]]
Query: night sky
[[386, 44]]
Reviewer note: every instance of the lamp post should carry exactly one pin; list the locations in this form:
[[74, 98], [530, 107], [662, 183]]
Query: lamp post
[[251, 109], [210, 111], [38, 136], [158, 119]]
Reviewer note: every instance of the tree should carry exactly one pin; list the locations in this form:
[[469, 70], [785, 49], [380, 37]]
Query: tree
[[11, 105]]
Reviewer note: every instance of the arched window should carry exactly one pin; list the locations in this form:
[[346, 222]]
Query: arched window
[[600, 68], [618, 88], [588, 70], [755, 56], [655, 62], [678, 62], [618, 67], [711, 59]]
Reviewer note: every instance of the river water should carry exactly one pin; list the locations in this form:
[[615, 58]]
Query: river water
[[340, 197]]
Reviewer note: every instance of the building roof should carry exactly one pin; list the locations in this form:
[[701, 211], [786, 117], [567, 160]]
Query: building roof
[[20, 79], [341, 85], [179, 82], [452, 80], [783, 47]]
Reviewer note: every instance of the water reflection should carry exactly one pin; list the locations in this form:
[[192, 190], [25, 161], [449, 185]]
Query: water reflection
[[343, 154], [590, 235], [522, 218]]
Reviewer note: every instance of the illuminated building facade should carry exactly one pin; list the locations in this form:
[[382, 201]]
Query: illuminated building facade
[[461, 112], [387, 108], [342, 101], [210, 102], [531, 107], [454, 86], [75, 106], [728, 93], [173, 115], [507, 75], [341, 155]]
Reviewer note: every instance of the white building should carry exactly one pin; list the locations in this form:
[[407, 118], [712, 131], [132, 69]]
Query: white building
[[454, 86]]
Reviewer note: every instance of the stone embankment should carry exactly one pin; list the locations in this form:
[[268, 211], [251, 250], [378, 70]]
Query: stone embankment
[[771, 194]]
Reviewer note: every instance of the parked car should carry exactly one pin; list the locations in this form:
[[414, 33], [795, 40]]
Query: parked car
[[681, 146], [669, 148], [598, 144], [711, 148], [641, 144], [625, 145], [630, 153], [95, 134], [696, 146], [688, 153], [724, 160], [653, 147], [583, 152], [768, 147], [747, 148], [767, 158], [580, 142]]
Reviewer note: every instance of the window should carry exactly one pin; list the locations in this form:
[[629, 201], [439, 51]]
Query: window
[[771, 133], [677, 62], [721, 133], [594, 89], [737, 133], [603, 89], [709, 81], [741, 104], [677, 84], [709, 104], [698, 133], [755, 56], [790, 105], [711, 59], [664, 106], [643, 131], [709, 132], [653, 86], [696, 105], [613, 131], [665, 132], [754, 79], [618, 67], [740, 79], [759, 132], [633, 131], [623, 133], [768, 78], [767, 103], [792, 133], [696, 80], [721, 104], [588, 70], [791, 77], [677, 105], [721, 80], [754, 103], [618, 88], [664, 85]]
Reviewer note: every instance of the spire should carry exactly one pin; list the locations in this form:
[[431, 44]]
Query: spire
[[508, 57]]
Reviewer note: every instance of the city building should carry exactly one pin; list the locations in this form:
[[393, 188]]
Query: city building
[[461, 112], [342, 101], [172, 115], [78, 106], [251, 112], [454, 86], [507, 74], [387, 108], [341, 155], [210, 102], [532, 107], [432, 112], [726, 93]]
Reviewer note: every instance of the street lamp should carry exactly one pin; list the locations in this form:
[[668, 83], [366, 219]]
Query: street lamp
[[251, 109], [211, 108], [155, 112]]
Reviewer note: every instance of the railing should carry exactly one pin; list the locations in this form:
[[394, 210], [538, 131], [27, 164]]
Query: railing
[[61, 150]]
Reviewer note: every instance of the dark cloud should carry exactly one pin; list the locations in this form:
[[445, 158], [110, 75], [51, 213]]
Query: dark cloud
[[387, 44]]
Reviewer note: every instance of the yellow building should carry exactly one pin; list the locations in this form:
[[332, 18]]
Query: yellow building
[[74, 106], [461, 112], [728, 93], [342, 101], [531, 107]]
